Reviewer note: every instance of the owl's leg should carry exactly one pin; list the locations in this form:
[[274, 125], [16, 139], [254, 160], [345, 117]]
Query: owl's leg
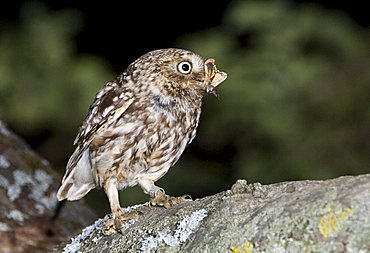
[[115, 223], [158, 197]]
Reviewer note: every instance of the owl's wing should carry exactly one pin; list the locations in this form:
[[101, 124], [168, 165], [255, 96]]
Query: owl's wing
[[109, 104]]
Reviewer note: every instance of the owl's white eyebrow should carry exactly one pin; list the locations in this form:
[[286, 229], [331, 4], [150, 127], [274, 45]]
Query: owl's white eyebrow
[[197, 62]]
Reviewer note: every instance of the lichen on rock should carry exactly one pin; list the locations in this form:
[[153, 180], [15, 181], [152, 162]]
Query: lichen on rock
[[313, 216], [4, 163], [183, 230], [27, 200]]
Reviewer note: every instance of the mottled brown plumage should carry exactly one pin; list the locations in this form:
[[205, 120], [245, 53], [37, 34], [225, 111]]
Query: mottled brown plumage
[[138, 126]]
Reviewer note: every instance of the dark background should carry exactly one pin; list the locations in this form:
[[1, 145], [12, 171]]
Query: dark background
[[292, 108], [120, 31]]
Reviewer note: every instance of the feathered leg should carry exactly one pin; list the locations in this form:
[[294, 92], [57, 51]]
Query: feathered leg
[[115, 223]]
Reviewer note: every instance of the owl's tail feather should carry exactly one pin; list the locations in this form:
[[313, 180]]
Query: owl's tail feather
[[78, 181]]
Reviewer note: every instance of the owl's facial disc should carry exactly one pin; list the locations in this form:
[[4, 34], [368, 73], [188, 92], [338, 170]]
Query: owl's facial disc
[[213, 77]]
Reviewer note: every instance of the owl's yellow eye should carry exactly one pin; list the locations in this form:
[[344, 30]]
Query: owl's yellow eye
[[184, 67]]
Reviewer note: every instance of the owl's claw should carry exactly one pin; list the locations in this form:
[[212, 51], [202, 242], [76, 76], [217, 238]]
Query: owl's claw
[[167, 201], [109, 227], [116, 223]]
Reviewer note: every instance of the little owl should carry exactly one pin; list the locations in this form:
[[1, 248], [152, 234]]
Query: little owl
[[137, 128]]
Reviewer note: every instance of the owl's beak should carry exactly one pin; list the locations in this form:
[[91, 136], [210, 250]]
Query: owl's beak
[[213, 77]]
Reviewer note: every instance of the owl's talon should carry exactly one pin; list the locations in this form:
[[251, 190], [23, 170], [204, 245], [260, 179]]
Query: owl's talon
[[155, 190], [167, 201], [115, 224], [109, 227]]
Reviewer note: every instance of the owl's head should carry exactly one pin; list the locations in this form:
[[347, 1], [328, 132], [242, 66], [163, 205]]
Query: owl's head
[[177, 72]]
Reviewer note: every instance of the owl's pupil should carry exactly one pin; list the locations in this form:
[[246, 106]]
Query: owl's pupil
[[185, 67]]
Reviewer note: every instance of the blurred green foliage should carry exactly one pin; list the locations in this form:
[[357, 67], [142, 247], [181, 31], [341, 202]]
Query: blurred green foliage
[[296, 104], [45, 87]]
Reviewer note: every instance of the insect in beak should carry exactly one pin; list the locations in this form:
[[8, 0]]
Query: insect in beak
[[213, 77]]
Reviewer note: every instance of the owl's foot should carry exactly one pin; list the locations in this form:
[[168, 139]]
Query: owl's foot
[[162, 199], [115, 224]]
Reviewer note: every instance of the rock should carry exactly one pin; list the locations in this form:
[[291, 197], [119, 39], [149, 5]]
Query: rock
[[28, 198], [301, 216]]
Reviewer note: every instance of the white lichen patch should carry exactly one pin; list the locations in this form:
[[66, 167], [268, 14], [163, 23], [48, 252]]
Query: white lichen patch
[[41, 185], [4, 163], [149, 244], [4, 182], [4, 227], [14, 191], [182, 232], [21, 179], [16, 215], [44, 178], [3, 130], [95, 239], [37, 184], [87, 232], [189, 223]]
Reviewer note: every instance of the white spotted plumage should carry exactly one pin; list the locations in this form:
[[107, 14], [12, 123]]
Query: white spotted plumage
[[137, 127]]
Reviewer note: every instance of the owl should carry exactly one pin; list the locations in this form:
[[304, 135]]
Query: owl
[[137, 128]]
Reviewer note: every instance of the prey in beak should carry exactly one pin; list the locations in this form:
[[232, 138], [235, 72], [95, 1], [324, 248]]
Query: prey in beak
[[213, 77]]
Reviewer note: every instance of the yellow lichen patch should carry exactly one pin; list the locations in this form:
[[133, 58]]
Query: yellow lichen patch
[[247, 248], [329, 223], [234, 250], [344, 214]]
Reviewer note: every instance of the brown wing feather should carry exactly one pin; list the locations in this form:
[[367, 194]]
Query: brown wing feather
[[109, 104]]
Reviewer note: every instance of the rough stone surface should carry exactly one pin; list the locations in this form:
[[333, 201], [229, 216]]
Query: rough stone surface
[[301, 216], [28, 198]]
